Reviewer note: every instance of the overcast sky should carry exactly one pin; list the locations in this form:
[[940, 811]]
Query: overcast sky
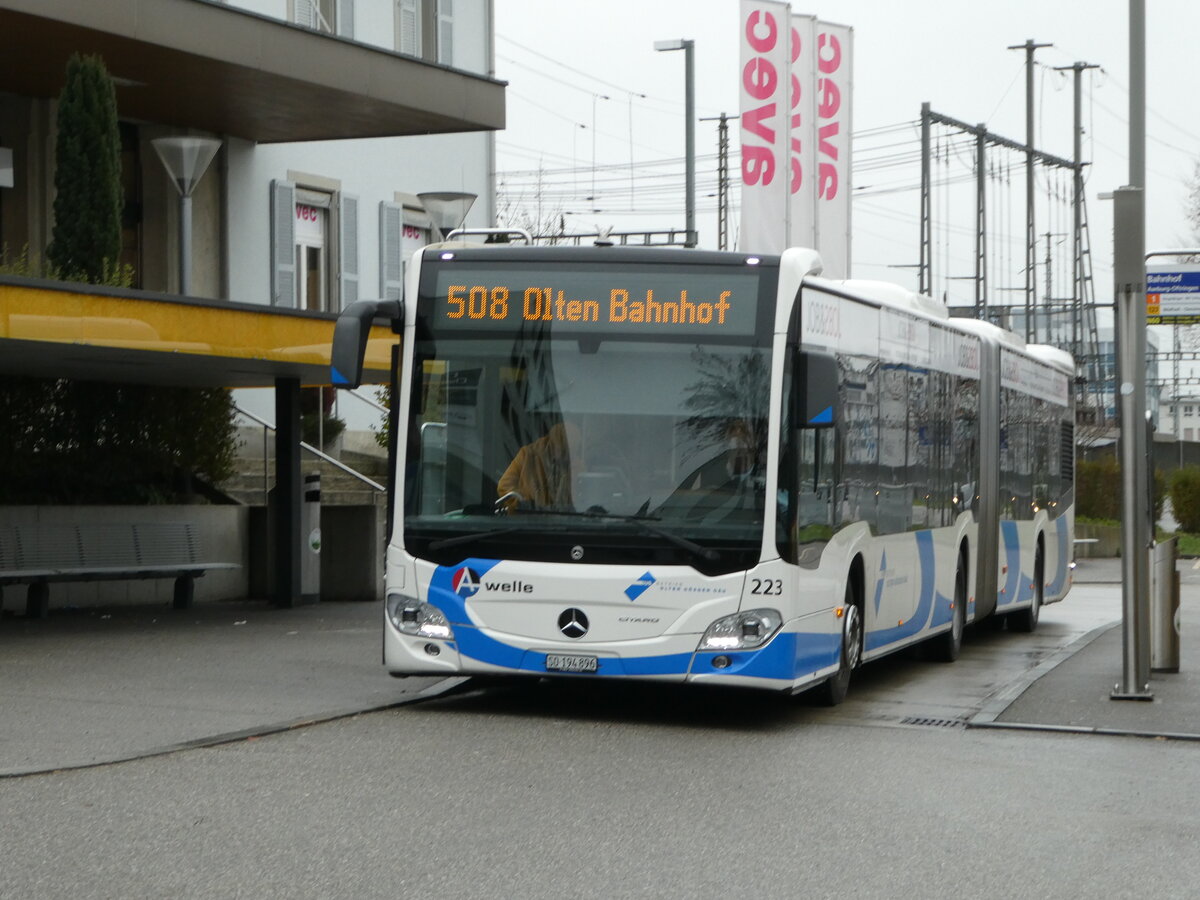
[[587, 87]]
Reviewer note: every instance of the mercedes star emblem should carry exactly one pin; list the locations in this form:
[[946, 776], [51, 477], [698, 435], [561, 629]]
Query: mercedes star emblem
[[573, 623]]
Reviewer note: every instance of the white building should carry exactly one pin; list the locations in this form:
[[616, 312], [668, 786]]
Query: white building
[[333, 115]]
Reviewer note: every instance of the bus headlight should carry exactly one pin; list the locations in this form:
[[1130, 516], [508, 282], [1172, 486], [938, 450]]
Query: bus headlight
[[742, 631], [418, 618]]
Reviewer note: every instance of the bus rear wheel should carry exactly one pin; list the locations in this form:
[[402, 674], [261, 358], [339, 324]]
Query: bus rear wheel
[[833, 691], [1027, 619], [947, 645]]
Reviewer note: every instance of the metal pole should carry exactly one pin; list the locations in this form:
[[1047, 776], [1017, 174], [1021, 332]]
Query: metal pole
[[1137, 93], [924, 275], [980, 223], [690, 147], [1077, 218], [1077, 207], [1030, 232], [1129, 269], [185, 244], [723, 184]]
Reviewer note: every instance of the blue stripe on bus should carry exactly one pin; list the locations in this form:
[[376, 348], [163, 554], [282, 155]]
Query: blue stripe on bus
[[1014, 582], [932, 608], [787, 657], [1060, 574]]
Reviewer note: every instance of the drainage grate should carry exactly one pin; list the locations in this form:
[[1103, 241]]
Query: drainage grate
[[929, 722]]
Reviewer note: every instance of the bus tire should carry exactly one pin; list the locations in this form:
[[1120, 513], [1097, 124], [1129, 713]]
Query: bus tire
[[947, 645], [1027, 619], [833, 690]]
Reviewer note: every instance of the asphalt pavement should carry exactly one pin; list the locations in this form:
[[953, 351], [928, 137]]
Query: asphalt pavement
[[86, 687]]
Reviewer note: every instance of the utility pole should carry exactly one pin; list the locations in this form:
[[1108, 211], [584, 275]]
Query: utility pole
[[1030, 230], [925, 268], [1077, 298], [981, 222], [722, 178]]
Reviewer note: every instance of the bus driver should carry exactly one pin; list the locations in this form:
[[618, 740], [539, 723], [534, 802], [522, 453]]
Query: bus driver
[[542, 472]]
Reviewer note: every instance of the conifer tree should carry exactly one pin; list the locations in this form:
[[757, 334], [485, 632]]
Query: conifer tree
[[87, 206]]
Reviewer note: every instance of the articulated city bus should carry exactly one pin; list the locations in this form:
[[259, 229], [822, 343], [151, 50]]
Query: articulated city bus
[[704, 467]]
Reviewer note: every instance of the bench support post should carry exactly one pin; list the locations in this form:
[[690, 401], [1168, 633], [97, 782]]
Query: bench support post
[[37, 601], [185, 591]]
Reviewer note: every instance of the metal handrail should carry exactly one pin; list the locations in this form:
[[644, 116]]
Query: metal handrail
[[310, 448], [366, 400]]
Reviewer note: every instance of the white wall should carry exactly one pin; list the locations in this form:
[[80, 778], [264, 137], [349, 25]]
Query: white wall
[[373, 170]]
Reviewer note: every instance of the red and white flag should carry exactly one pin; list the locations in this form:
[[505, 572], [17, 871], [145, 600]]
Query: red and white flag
[[765, 86], [835, 85]]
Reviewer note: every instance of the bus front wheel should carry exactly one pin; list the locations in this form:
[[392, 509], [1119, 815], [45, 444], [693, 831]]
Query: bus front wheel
[[833, 691]]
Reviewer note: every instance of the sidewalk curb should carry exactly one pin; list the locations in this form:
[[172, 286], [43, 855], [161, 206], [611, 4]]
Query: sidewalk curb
[[995, 705]]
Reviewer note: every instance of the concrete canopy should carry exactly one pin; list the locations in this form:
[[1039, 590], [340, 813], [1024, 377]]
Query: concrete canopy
[[204, 65]]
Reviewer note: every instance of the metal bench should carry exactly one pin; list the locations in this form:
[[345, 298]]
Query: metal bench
[[37, 555]]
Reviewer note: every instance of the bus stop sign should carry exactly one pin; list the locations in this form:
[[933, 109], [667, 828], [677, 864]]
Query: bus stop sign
[[1173, 294]]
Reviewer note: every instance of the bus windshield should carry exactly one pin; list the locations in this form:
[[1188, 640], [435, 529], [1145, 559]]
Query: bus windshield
[[556, 438]]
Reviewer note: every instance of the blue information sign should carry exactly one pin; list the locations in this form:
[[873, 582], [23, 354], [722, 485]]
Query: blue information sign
[[1173, 295]]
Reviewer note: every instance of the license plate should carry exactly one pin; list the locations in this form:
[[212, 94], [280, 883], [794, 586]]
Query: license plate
[[559, 662]]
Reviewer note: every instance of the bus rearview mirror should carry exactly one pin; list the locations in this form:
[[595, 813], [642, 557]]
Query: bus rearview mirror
[[350, 335], [815, 389]]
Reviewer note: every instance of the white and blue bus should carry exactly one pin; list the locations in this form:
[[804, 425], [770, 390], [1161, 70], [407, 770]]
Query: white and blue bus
[[719, 468]]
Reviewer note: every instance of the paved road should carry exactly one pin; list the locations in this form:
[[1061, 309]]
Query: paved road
[[587, 790]]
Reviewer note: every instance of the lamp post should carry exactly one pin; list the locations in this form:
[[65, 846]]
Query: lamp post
[[688, 48], [186, 159], [447, 209]]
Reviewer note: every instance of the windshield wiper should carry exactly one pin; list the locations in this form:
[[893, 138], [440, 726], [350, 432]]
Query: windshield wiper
[[642, 521], [705, 552], [467, 538]]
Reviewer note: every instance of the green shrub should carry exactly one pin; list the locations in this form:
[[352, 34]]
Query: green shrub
[[82, 442], [1098, 489], [1185, 498]]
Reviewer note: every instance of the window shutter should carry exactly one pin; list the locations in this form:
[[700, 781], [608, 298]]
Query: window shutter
[[306, 13], [391, 257], [345, 18], [410, 27], [348, 247], [446, 32], [283, 244]]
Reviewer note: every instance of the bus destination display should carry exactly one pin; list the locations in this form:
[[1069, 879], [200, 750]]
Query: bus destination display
[[661, 302]]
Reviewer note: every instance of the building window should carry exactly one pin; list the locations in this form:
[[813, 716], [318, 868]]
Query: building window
[[408, 27], [425, 28], [316, 14], [328, 16], [314, 247], [312, 250], [1188, 434], [1187, 411]]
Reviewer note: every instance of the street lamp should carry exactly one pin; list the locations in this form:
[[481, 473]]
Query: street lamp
[[186, 159], [447, 209], [688, 48]]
